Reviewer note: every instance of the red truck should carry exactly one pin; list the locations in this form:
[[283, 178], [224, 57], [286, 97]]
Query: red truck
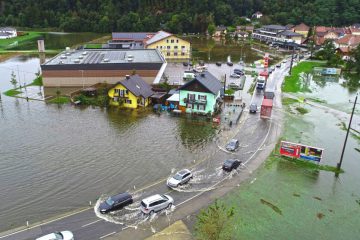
[[266, 108]]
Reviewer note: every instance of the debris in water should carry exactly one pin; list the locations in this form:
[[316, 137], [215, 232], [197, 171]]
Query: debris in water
[[320, 215], [317, 198], [296, 195], [357, 201], [153, 229], [275, 208], [330, 210]]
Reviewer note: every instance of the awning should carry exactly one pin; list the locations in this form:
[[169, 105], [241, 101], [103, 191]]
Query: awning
[[174, 98]]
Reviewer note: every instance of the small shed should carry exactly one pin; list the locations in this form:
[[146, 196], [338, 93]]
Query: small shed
[[266, 108], [158, 97], [90, 91]]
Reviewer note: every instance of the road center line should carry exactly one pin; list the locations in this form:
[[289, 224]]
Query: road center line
[[91, 223], [107, 235]]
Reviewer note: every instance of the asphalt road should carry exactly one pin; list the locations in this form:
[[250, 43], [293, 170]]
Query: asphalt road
[[87, 225]]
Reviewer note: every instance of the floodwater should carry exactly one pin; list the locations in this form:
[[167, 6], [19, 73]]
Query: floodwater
[[218, 49], [58, 40], [291, 200], [54, 159]]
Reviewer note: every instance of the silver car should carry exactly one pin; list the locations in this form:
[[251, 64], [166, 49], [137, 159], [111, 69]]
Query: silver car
[[64, 235], [156, 203], [179, 178]]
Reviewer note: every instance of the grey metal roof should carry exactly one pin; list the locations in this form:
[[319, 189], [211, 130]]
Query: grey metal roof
[[158, 36], [106, 56], [137, 86], [275, 27], [208, 80], [290, 33], [7, 29], [132, 35]]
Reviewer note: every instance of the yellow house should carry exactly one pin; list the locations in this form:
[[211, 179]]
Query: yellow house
[[171, 46], [302, 29], [132, 92]]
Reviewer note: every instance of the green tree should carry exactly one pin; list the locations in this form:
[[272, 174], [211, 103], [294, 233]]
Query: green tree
[[13, 80], [211, 29], [215, 223], [356, 58]]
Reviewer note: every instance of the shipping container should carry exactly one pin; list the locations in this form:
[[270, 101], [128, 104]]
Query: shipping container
[[266, 108]]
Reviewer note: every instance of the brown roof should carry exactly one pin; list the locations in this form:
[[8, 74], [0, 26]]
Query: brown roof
[[349, 40], [354, 30], [301, 27]]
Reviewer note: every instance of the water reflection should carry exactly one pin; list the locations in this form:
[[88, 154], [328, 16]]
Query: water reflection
[[195, 133]]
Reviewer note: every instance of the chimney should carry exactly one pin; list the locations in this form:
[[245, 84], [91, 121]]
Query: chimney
[[127, 76]]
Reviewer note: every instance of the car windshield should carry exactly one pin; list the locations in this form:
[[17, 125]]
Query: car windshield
[[231, 143], [109, 201], [164, 197], [178, 177], [59, 236], [228, 162]]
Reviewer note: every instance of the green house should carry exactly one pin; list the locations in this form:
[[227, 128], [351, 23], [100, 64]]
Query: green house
[[201, 95]]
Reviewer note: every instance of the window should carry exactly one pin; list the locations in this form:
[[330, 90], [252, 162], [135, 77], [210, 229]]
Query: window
[[175, 47], [126, 91], [177, 40], [168, 47], [175, 54], [168, 54], [182, 46], [191, 96], [172, 40], [167, 40], [160, 47], [127, 101], [182, 54], [189, 105], [201, 107], [202, 97]]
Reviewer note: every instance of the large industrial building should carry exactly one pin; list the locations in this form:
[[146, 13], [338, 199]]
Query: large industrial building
[[82, 68]]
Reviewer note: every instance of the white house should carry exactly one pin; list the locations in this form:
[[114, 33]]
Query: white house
[[7, 32], [257, 15]]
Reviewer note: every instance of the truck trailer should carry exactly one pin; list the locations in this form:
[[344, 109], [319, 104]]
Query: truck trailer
[[266, 108]]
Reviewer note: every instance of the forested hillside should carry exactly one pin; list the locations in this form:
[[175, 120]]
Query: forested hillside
[[173, 15]]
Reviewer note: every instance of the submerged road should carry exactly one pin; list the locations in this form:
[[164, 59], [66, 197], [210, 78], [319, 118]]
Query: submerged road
[[252, 133]]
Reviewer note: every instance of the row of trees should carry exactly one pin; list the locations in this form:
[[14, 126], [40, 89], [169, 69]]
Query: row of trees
[[178, 16]]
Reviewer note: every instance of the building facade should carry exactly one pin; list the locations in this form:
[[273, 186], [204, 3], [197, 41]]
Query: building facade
[[276, 33], [171, 46], [200, 95]]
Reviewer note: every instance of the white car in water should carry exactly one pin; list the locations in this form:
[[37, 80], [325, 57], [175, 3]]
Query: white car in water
[[64, 235], [179, 178]]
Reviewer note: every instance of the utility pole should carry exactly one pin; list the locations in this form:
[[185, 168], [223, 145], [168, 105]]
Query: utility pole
[[292, 59], [338, 166]]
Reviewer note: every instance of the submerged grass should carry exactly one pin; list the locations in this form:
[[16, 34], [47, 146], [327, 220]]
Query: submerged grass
[[302, 110], [60, 100], [288, 101], [293, 82]]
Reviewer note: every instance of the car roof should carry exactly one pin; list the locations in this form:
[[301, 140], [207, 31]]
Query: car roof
[[121, 196], [183, 172], [233, 140], [230, 160], [152, 198]]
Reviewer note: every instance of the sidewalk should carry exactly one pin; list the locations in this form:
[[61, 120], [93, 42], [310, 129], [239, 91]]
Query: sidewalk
[[176, 231]]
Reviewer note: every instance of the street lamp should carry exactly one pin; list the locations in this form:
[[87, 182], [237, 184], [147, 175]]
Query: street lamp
[[338, 166]]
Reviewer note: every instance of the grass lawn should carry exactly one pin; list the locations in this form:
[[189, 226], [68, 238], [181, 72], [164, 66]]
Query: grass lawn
[[6, 43], [293, 83], [93, 46], [36, 82], [60, 100]]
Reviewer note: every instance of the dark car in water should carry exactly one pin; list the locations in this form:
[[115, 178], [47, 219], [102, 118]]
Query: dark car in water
[[232, 145], [218, 64], [231, 164], [253, 108], [238, 71], [115, 202]]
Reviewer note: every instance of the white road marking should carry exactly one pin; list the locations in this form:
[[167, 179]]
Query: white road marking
[[107, 235], [44, 223], [91, 223]]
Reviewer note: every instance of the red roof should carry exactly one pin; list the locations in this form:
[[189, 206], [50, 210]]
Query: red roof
[[264, 73], [349, 40], [267, 102]]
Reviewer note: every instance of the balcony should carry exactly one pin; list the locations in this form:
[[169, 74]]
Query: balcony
[[192, 100]]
